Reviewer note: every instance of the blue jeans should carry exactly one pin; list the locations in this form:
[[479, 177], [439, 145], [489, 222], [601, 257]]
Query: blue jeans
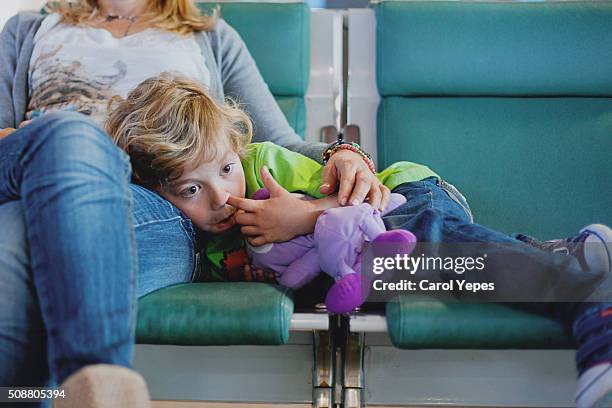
[[70, 227], [436, 211]]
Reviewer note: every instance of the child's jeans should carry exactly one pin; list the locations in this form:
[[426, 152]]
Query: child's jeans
[[436, 211]]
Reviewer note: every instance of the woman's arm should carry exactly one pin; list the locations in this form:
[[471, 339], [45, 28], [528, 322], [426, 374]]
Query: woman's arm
[[5, 132], [8, 62]]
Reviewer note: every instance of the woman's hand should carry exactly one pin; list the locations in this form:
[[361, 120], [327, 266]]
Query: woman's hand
[[6, 131], [356, 181], [277, 219]]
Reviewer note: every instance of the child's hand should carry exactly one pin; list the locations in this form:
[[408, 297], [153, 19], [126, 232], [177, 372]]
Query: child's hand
[[357, 183], [277, 219], [6, 131]]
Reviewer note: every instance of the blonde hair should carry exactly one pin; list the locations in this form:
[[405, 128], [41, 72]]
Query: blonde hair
[[178, 16], [169, 124]]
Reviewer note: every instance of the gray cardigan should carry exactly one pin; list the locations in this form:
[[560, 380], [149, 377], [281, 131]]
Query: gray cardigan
[[232, 72]]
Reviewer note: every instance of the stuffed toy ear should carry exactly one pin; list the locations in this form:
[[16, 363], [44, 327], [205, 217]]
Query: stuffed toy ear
[[261, 194]]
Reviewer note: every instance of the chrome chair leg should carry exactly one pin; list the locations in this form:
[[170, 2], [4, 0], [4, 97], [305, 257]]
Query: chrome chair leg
[[323, 380], [353, 376]]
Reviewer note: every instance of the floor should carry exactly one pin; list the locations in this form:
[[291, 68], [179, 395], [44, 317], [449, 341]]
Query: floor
[[196, 404]]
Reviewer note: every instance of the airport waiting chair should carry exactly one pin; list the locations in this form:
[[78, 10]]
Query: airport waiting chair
[[191, 313], [512, 102], [233, 319]]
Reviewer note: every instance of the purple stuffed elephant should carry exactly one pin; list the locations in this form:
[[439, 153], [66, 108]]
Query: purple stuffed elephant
[[334, 248]]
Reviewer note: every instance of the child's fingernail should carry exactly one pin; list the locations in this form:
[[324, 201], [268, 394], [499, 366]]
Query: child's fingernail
[[325, 185], [355, 202]]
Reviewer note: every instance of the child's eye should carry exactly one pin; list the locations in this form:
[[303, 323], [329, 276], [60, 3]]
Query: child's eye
[[227, 169], [190, 191]]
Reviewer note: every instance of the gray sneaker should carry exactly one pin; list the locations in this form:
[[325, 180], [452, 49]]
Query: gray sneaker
[[595, 387], [592, 246]]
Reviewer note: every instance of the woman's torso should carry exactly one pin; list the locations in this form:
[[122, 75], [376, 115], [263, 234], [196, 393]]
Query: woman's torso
[[81, 67]]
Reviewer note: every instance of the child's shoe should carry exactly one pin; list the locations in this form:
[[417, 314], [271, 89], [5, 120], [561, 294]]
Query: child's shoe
[[592, 246], [595, 387], [592, 330]]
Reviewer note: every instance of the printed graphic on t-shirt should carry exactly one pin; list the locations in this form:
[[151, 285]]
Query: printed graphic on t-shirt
[[234, 263], [80, 68], [67, 85]]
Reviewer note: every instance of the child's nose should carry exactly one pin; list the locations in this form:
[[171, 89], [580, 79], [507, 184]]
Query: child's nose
[[218, 198]]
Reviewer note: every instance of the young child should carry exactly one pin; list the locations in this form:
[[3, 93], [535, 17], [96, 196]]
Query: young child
[[196, 154]]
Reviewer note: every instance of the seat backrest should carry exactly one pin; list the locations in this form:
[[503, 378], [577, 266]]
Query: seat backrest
[[278, 37], [510, 101]]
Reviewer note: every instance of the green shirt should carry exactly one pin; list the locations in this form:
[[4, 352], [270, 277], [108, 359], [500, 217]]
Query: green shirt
[[225, 257]]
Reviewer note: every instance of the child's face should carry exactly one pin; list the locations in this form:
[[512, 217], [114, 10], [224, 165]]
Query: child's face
[[202, 193]]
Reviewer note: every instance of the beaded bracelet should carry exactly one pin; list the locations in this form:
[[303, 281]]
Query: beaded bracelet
[[354, 147]]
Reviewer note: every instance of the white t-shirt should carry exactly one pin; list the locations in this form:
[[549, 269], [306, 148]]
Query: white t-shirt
[[81, 68]]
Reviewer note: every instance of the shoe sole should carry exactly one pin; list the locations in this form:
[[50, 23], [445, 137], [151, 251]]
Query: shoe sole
[[590, 395], [604, 402], [595, 259]]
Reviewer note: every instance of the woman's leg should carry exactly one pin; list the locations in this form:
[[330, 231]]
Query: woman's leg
[[23, 344], [73, 186], [165, 239], [166, 256]]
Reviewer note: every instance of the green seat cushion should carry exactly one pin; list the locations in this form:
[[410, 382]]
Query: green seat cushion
[[494, 48], [432, 324], [215, 314], [540, 166]]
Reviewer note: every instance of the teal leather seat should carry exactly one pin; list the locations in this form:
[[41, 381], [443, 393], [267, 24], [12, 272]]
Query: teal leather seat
[[215, 314], [511, 102], [277, 35], [431, 324]]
